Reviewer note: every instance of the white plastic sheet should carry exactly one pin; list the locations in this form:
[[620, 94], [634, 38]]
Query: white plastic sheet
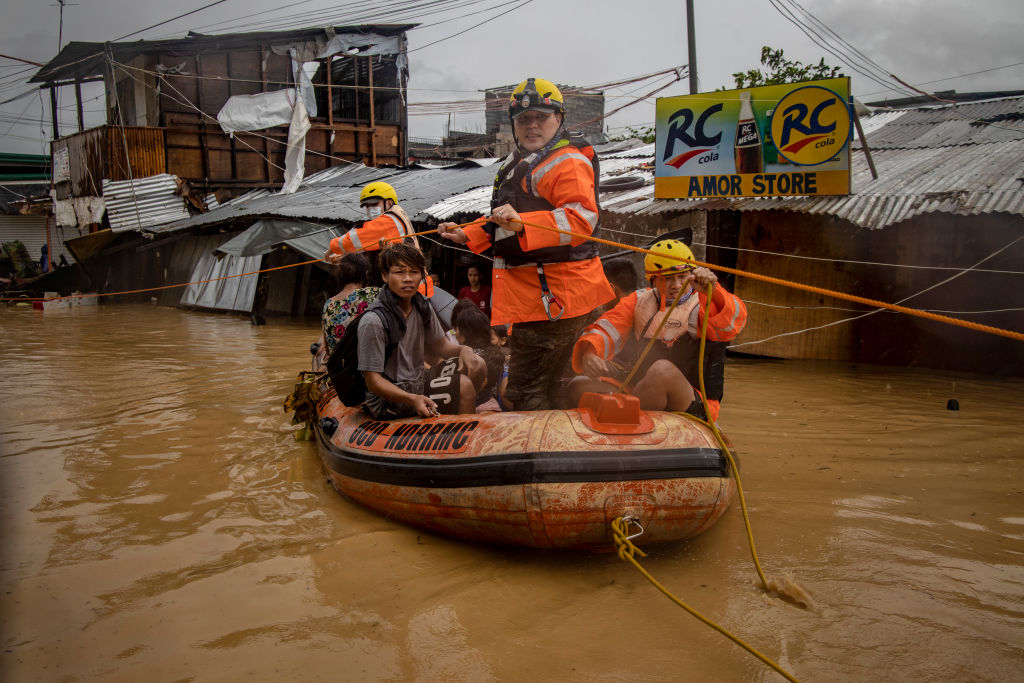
[[295, 155], [256, 112]]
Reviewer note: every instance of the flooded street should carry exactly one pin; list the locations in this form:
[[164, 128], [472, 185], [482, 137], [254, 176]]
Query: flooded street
[[160, 523]]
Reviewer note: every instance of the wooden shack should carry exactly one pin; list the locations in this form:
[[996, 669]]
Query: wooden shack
[[162, 100]]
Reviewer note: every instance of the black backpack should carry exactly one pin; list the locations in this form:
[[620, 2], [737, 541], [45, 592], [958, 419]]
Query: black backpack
[[343, 365]]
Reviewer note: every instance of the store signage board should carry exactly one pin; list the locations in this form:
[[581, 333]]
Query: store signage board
[[770, 141]]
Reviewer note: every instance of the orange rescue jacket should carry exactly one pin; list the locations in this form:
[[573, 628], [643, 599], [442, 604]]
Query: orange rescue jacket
[[390, 225], [565, 179], [637, 315]]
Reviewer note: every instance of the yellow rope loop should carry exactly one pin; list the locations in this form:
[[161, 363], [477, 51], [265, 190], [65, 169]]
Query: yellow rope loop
[[620, 535]]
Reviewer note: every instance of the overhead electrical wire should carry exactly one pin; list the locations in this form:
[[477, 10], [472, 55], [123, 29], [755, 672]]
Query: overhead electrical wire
[[355, 13], [824, 43], [463, 16], [167, 21], [857, 55], [952, 78], [255, 14], [455, 35]]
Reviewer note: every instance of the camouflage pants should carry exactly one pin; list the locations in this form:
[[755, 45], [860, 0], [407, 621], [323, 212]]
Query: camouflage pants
[[541, 351]]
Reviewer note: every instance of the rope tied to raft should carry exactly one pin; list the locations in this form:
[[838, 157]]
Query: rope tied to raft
[[627, 550], [623, 540]]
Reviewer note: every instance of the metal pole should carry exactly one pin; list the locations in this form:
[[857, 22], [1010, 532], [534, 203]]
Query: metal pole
[[691, 44]]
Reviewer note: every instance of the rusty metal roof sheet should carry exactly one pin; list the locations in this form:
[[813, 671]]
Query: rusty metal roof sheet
[[143, 202], [84, 59], [332, 195]]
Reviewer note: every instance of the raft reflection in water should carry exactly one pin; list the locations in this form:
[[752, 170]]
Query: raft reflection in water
[[546, 479]]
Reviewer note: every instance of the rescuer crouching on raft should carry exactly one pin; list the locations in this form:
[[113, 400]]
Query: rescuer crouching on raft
[[386, 221], [544, 282], [668, 378], [395, 335]]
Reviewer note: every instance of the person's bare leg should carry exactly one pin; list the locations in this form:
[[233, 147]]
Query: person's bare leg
[[581, 384], [664, 387]]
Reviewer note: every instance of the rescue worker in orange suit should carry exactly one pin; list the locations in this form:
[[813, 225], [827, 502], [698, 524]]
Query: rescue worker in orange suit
[[668, 379], [386, 221], [544, 283]]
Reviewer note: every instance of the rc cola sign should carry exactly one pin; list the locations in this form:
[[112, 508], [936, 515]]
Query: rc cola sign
[[778, 140]]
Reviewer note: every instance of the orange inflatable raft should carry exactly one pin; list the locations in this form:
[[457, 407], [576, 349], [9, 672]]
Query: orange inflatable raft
[[546, 479]]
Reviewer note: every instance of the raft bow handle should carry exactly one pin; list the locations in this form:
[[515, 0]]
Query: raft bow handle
[[627, 520]]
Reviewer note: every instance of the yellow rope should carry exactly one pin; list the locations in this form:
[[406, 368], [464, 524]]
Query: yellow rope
[[647, 349], [710, 423], [627, 551], [735, 271], [721, 440], [1019, 336], [200, 282]]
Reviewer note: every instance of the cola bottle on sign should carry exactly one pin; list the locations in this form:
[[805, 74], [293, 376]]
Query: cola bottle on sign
[[747, 147]]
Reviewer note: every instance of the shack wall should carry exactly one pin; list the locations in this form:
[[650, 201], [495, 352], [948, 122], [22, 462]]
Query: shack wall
[[199, 151], [837, 255]]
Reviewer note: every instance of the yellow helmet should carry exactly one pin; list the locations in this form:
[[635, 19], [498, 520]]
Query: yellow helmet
[[535, 94], [375, 191], [675, 251]]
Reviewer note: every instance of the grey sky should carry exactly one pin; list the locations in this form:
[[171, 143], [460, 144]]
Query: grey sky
[[581, 42]]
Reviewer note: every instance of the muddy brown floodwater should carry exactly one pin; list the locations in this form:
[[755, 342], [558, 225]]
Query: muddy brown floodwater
[[159, 523]]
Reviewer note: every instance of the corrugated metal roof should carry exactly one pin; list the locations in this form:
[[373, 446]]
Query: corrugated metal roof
[[143, 202], [89, 59], [969, 123], [637, 152], [961, 180], [966, 159], [332, 195], [478, 200]]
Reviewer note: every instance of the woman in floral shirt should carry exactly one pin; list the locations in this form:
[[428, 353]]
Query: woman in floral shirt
[[352, 299]]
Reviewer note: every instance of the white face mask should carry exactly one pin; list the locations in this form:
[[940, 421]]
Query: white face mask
[[374, 210]]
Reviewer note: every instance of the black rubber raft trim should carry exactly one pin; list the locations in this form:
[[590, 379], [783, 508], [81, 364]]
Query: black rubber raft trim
[[527, 468]]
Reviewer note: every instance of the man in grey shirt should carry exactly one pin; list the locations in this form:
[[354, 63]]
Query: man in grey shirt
[[397, 333]]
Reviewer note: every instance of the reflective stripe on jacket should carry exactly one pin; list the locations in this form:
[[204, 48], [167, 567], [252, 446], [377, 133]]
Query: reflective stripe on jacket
[[565, 180], [390, 225], [629, 319]]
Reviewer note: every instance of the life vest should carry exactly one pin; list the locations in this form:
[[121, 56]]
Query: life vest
[[404, 225], [517, 173], [679, 341]]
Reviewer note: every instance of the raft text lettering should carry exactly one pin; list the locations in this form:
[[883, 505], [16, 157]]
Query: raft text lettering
[[432, 436]]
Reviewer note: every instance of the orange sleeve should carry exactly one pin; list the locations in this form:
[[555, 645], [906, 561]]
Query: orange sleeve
[[567, 183], [608, 334], [728, 314], [479, 240], [367, 237]]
